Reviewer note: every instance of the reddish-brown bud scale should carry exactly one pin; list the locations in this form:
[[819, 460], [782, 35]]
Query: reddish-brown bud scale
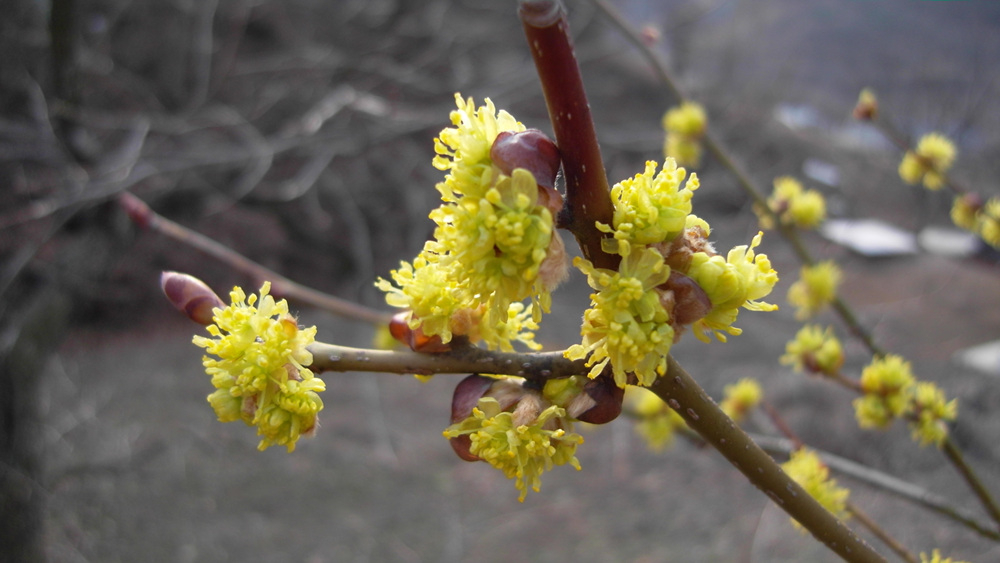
[[690, 300], [463, 400], [415, 339], [608, 396], [530, 150], [190, 296]]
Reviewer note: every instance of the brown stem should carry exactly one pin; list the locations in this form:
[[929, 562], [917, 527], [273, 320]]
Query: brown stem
[[462, 360], [685, 396], [954, 455], [587, 201], [881, 534], [142, 215]]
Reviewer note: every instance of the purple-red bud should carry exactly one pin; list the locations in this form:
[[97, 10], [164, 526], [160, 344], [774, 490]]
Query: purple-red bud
[[466, 397], [608, 396], [191, 296], [417, 341], [530, 150]]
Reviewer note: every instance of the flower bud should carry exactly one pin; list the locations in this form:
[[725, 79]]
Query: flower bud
[[466, 397], [867, 107], [191, 296], [530, 150], [415, 338], [607, 396]]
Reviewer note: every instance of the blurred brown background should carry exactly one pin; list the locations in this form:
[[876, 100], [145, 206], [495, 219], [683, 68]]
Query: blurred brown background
[[300, 133]]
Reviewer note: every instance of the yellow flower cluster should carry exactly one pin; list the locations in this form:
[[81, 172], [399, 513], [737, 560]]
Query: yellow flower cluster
[[739, 281], [930, 409], [814, 349], [491, 242], [670, 277], [886, 383], [649, 208], [793, 205], [521, 449], [933, 156], [656, 422], [740, 398], [260, 372], [815, 289], [685, 126], [983, 220], [626, 324], [891, 391], [806, 468], [935, 557]]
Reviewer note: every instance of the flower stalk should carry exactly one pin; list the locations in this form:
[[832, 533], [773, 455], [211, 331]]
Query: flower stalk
[[688, 399]]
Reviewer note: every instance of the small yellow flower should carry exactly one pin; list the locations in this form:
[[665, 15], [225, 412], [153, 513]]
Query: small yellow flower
[[685, 125], [626, 324], [260, 373], [981, 219], [936, 557], [431, 296], [649, 209], [814, 349], [738, 281], [740, 398], [806, 468], [887, 384], [815, 289], [656, 422], [930, 410], [989, 223], [495, 246], [464, 150], [933, 156], [521, 449], [794, 205]]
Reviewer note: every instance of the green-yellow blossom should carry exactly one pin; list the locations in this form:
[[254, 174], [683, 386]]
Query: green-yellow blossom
[[930, 410], [793, 205], [815, 289], [685, 126], [656, 422], [521, 449], [464, 150], [935, 557], [738, 281], [493, 243], [806, 468], [649, 208], [494, 246], [260, 372], [815, 350], [887, 384], [626, 324], [740, 398], [980, 219], [933, 156]]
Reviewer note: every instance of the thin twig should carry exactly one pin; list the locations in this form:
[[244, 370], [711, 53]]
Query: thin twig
[[280, 285], [880, 533]]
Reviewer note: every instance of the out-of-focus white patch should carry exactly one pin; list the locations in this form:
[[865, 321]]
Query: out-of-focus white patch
[[948, 242], [870, 237], [821, 171], [984, 357]]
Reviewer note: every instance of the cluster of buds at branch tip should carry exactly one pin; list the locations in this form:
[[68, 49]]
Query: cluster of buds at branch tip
[[190, 296]]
